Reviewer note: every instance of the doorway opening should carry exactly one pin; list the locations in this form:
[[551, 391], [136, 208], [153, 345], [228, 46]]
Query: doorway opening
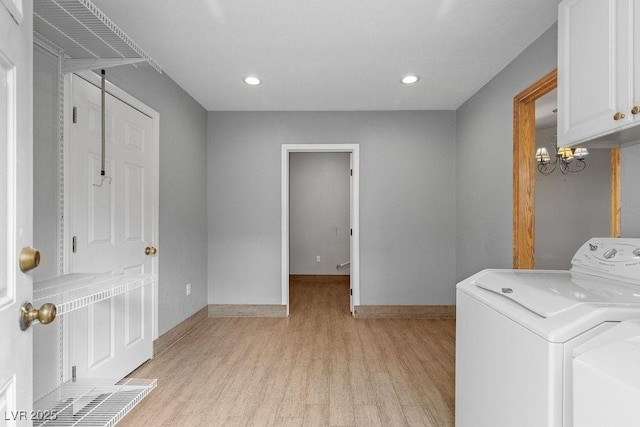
[[524, 145], [354, 247]]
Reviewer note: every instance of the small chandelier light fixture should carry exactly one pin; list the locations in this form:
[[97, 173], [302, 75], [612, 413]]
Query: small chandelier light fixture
[[565, 159]]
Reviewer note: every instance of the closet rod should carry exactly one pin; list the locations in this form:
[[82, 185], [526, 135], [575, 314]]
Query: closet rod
[[103, 162]]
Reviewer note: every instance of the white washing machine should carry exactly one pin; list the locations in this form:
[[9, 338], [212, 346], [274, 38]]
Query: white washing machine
[[516, 331]]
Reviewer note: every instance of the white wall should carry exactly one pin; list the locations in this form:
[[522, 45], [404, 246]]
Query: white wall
[[630, 193], [572, 208], [318, 212], [407, 177]]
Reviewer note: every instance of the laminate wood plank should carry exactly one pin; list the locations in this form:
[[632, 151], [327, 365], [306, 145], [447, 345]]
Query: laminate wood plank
[[320, 366], [406, 392], [233, 421], [276, 387], [366, 416], [361, 386], [264, 415], [389, 407], [290, 422], [418, 416], [293, 402], [316, 415], [318, 386], [340, 401]]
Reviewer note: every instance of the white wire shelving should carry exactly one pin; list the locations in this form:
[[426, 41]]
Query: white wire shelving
[[88, 37], [90, 402], [74, 291]]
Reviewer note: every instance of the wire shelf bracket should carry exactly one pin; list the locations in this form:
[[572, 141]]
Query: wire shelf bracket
[[88, 38]]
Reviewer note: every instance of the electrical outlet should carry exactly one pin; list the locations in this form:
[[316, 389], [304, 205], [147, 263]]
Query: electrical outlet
[[188, 289], [318, 258]]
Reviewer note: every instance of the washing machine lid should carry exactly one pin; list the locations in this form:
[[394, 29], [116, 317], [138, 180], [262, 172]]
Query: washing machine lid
[[557, 305], [549, 293]]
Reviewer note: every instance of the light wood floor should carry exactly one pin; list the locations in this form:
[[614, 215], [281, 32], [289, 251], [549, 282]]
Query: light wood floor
[[317, 367]]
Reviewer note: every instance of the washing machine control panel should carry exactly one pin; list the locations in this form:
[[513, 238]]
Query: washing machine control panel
[[617, 258]]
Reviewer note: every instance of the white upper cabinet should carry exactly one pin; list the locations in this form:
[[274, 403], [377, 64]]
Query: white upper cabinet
[[598, 71]]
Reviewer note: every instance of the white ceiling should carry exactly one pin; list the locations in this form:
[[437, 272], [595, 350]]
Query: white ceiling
[[332, 55]]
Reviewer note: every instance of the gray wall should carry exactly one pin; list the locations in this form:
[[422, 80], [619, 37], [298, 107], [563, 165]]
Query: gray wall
[[46, 174], [483, 160], [406, 202], [630, 193], [183, 188], [572, 208], [318, 212]]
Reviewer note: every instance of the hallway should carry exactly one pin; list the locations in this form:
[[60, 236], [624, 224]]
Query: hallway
[[318, 367]]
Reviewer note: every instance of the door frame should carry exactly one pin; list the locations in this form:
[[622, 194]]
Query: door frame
[[129, 99], [354, 149], [524, 146]]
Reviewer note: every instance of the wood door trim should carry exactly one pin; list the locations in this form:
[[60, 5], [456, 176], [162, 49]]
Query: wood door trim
[[615, 192], [524, 144], [524, 173]]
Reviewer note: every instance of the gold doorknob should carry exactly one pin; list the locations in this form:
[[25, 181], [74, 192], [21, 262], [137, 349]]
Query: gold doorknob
[[28, 314], [618, 116], [29, 259], [635, 110], [150, 250]]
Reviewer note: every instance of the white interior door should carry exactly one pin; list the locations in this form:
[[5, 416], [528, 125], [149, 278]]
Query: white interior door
[[111, 218], [112, 225], [16, 207]]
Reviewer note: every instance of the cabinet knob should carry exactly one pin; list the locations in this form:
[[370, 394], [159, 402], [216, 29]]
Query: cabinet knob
[[618, 116], [635, 110]]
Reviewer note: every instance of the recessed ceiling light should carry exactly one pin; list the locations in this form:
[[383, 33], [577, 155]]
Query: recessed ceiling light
[[252, 81], [410, 79]]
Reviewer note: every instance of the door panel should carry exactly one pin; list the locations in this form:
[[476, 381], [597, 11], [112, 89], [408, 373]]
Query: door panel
[[7, 148], [134, 318], [134, 203], [101, 333], [134, 136], [16, 206], [100, 215]]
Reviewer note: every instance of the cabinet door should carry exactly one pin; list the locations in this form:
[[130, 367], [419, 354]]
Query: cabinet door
[[634, 38], [593, 68]]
